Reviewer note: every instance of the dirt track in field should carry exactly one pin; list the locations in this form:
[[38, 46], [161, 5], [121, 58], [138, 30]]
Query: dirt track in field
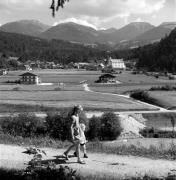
[[101, 164]]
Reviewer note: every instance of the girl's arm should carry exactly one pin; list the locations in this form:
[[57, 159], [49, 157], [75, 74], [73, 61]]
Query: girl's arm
[[71, 127]]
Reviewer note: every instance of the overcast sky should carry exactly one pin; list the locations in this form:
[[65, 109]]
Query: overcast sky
[[96, 13]]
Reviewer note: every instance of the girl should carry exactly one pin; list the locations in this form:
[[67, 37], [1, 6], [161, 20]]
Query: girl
[[75, 133]]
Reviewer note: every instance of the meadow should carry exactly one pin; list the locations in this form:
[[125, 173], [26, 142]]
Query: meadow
[[161, 121], [71, 92], [166, 99], [69, 98], [56, 76]]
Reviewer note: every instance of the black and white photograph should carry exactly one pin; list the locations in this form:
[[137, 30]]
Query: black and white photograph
[[88, 89]]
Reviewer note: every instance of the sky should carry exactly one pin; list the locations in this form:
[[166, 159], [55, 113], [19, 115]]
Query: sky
[[99, 14]]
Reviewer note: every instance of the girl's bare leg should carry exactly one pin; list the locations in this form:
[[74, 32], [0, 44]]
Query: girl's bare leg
[[69, 149]]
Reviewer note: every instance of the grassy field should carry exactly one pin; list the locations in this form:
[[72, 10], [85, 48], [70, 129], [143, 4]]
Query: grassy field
[[160, 121], [21, 87], [72, 91], [165, 99], [70, 98], [56, 76], [75, 76], [158, 143], [119, 88]]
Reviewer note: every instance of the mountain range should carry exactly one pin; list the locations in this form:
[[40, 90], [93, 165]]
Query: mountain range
[[132, 35], [26, 27]]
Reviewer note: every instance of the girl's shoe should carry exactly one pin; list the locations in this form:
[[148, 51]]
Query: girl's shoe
[[81, 162], [65, 155], [85, 156]]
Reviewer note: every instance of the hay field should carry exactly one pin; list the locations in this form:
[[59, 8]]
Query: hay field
[[165, 99], [56, 76], [69, 98], [160, 121]]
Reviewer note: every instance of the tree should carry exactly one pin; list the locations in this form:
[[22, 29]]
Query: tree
[[55, 6]]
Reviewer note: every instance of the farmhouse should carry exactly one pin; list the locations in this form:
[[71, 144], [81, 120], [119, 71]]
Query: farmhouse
[[106, 78], [30, 78], [116, 63], [3, 72]]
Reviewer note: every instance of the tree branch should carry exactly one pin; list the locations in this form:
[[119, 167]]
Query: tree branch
[[55, 7]]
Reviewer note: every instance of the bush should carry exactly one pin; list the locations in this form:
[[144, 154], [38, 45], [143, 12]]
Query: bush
[[25, 125], [94, 128], [163, 88], [61, 173], [110, 126], [140, 95], [106, 127], [17, 89], [58, 125]]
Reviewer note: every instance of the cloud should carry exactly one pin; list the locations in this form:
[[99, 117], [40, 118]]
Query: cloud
[[77, 21], [99, 12], [138, 20], [93, 13]]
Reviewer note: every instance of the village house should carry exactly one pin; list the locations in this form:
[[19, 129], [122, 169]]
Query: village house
[[116, 64], [106, 78], [30, 78], [13, 58], [3, 72]]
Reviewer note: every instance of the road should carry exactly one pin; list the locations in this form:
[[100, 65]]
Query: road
[[97, 164]]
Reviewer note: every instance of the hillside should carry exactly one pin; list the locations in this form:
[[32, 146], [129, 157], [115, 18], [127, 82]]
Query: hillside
[[157, 33], [27, 47], [71, 32], [84, 34], [27, 27], [161, 56], [130, 31], [148, 37]]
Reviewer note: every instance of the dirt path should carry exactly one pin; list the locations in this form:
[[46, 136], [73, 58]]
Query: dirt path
[[102, 164]]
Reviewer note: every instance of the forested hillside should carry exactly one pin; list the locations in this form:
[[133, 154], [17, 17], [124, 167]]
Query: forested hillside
[[160, 56], [32, 48]]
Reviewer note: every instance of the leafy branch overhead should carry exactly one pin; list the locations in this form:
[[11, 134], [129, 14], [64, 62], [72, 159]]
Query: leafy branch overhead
[[56, 4]]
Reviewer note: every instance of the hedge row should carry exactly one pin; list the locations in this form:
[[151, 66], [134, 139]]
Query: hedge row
[[57, 125]]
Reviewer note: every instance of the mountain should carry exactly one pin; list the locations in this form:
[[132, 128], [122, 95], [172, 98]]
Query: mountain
[[79, 33], [157, 33], [71, 32], [130, 31], [132, 35], [108, 31], [27, 27]]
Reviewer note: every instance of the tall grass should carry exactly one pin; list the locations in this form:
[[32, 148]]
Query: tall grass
[[63, 174], [151, 152], [154, 152]]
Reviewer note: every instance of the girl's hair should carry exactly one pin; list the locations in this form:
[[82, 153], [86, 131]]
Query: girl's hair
[[75, 109]]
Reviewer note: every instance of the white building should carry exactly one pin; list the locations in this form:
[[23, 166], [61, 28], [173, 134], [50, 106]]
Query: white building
[[116, 63], [30, 78]]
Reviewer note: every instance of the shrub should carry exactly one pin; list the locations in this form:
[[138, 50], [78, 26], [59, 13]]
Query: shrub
[[140, 95], [58, 125], [25, 125], [143, 96], [17, 89], [94, 128], [110, 126], [163, 88], [61, 173]]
